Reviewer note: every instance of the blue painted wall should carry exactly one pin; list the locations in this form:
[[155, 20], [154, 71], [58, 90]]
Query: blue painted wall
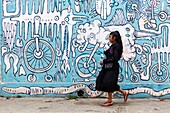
[[53, 47]]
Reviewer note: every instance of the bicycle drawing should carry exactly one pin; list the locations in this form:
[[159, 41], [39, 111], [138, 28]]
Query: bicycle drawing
[[39, 55]]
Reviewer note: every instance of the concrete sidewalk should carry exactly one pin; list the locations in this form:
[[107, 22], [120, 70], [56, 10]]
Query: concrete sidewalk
[[82, 105]]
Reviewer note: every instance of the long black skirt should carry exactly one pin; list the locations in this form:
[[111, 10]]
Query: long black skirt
[[107, 80]]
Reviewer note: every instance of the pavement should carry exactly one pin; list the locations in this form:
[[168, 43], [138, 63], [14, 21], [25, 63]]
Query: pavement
[[82, 105]]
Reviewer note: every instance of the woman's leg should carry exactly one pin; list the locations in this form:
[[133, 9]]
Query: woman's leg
[[125, 94], [110, 97], [122, 91], [109, 100]]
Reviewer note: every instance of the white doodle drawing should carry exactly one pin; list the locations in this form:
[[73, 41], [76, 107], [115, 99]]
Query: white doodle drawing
[[20, 45], [142, 23], [9, 29], [77, 87], [77, 5], [4, 50], [149, 91], [118, 18], [164, 14], [97, 35], [6, 2], [48, 78], [159, 72], [132, 7], [7, 62], [31, 78], [103, 8], [83, 5], [49, 20], [145, 75], [22, 70], [87, 34], [65, 58], [38, 55], [168, 1], [49, 90]]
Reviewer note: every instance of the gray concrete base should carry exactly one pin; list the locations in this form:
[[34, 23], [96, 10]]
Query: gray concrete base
[[82, 105]]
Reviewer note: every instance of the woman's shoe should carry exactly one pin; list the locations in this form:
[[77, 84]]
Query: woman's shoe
[[107, 104], [126, 94]]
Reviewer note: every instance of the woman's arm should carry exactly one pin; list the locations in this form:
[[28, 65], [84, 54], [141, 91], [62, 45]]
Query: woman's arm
[[116, 55]]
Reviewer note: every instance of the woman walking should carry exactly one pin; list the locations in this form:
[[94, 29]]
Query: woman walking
[[107, 79]]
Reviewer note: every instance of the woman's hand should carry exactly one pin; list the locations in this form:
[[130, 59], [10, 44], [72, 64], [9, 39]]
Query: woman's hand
[[101, 63]]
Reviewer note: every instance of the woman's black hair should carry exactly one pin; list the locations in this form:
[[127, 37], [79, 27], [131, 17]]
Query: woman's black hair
[[118, 38]]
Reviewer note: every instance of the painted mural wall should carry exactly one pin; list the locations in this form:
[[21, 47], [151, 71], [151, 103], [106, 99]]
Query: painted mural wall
[[53, 47]]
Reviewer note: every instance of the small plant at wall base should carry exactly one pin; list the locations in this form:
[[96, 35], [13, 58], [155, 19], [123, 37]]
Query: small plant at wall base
[[69, 97]]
